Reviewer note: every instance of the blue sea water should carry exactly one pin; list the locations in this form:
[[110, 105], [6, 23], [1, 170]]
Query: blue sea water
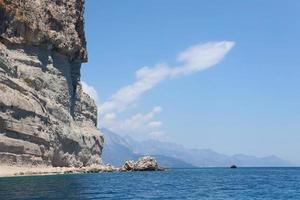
[[203, 183]]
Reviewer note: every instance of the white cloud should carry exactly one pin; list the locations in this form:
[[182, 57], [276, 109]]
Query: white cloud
[[201, 56], [138, 123], [154, 124], [196, 58], [146, 79], [90, 90], [109, 117]]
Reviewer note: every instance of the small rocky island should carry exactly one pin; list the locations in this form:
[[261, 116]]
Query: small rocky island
[[47, 123], [146, 163]]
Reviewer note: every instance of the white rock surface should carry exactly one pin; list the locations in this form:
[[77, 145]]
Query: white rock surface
[[45, 118], [145, 163]]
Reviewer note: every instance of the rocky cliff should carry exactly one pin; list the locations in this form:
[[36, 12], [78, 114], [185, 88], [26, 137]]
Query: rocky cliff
[[45, 118]]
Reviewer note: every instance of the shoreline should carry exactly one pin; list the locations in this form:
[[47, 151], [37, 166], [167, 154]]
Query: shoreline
[[15, 171], [42, 170]]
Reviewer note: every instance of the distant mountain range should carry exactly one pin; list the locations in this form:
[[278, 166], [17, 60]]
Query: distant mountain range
[[117, 149]]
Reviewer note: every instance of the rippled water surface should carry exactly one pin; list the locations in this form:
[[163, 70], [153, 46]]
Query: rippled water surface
[[212, 184]]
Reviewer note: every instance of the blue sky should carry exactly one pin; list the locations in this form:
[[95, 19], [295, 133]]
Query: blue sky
[[238, 90]]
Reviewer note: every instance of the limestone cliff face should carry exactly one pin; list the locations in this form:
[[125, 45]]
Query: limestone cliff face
[[56, 23], [45, 118]]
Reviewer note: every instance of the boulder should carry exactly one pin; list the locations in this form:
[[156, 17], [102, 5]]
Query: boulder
[[145, 163], [128, 165]]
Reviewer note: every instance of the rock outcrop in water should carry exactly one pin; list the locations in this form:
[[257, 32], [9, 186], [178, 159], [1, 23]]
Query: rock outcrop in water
[[145, 163], [45, 117]]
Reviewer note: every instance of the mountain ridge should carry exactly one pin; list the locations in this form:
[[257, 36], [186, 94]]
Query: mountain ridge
[[194, 157], [117, 150]]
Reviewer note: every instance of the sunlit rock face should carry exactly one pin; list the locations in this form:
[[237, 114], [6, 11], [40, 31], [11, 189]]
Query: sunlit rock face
[[56, 23], [45, 117]]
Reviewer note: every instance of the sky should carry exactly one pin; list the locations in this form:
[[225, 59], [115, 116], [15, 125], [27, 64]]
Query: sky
[[223, 75]]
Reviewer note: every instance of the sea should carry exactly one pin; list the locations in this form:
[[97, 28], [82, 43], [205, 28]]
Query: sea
[[200, 183]]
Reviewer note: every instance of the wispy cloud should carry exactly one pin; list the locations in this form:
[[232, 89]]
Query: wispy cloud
[[139, 124], [194, 59]]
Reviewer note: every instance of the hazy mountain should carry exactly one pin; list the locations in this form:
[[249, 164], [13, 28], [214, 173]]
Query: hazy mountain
[[203, 157], [117, 149]]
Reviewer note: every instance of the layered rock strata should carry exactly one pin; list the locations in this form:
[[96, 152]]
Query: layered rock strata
[[45, 117]]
